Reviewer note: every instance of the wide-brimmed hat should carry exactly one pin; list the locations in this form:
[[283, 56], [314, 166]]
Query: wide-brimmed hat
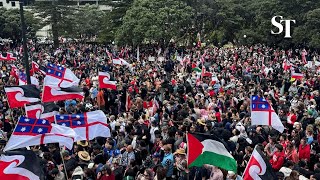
[[201, 121], [180, 151], [83, 143], [84, 155]]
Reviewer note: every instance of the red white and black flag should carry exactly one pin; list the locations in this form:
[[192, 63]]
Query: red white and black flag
[[34, 111], [258, 167], [49, 112], [18, 96], [20, 165], [51, 93]]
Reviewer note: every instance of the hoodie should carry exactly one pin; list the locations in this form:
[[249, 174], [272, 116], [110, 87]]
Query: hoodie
[[277, 160]]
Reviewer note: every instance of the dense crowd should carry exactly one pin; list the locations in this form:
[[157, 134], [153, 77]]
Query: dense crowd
[[151, 144]]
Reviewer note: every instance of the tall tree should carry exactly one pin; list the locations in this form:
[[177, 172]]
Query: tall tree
[[152, 20]]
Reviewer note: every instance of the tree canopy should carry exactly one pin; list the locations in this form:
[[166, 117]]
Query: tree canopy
[[139, 21]]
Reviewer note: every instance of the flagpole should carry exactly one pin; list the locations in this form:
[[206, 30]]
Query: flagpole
[[64, 165], [24, 41]]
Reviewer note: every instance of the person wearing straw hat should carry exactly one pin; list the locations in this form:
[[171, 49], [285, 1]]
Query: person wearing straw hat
[[83, 143], [181, 163], [84, 159]]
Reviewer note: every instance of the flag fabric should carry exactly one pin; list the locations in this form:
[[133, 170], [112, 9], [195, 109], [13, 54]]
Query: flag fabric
[[59, 76], [197, 69], [214, 80], [262, 113], [258, 167], [128, 102], [107, 84], [286, 65], [34, 111], [51, 93], [37, 68], [296, 75], [18, 96], [8, 57], [119, 61], [87, 126], [103, 76], [30, 132], [23, 79], [155, 105], [109, 54], [14, 71], [20, 165], [49, 111], [204, 72], [208, 149]]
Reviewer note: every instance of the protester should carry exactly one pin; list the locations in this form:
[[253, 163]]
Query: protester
[[156, 103]]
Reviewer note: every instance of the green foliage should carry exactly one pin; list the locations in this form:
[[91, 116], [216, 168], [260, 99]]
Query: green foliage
[[10, 24], [139, 21], [153, 20]]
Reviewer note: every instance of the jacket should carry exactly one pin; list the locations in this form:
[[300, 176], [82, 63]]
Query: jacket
[[277, 160], [304, 152]]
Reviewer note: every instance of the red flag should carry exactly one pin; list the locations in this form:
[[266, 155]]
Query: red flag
[[51, 93], [18, 96], [34, 111], [296, 75], [109, 84], [104, 81], [8, 57]]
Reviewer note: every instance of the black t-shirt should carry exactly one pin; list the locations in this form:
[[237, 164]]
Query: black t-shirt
[[71, 164]]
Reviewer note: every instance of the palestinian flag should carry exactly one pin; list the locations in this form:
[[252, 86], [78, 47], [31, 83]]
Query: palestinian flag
[[195, 67], [208, 149]]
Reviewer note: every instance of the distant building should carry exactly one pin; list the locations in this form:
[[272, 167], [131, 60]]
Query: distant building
[[9, 4]]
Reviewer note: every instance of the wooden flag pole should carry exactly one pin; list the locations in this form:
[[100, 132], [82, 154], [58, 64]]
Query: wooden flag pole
[[60, 148], [64, 165]]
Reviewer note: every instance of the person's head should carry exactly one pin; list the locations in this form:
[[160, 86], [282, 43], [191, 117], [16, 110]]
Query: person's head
[[248, 150], [148, 174], [129, 148], [52, 147], [179, 134], [106, 170], [316, 166], [303, 141], [109, 143], [65, 155], [288, 164], [193, 128], [167, 149], [96, 149], [156, 157], [54, 172], [272, 140], [294, 174], [231, 175], [283, 137], [279, 147]]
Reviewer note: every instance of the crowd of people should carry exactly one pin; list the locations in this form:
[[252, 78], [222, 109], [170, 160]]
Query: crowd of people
[[150, 143]]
